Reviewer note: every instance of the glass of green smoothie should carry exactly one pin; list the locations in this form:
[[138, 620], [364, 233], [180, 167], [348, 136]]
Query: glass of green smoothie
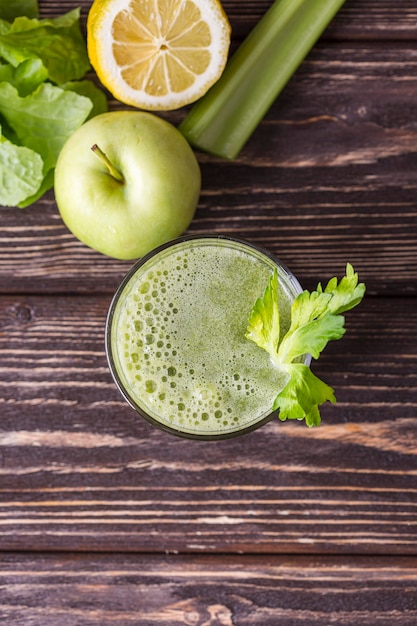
[[175, 336]]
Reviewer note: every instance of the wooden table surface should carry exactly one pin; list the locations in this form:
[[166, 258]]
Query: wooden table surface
[[105, 520]]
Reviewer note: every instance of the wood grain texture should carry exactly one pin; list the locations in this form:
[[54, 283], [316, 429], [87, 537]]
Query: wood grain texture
[[80, 471], [358, 19], [63, 590]]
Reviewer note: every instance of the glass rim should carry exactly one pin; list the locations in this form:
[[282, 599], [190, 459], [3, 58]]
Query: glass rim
[[108, 334]]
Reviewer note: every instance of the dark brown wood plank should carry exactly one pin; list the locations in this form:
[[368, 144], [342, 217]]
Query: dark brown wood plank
[[375, 20], [79, 470], [358, 19], [328, 177], [64, 590]]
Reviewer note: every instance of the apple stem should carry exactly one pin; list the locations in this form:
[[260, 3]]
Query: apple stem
[[105, 159]]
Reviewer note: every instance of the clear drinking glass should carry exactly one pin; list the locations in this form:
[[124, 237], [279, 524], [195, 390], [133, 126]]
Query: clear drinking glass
[[175, 336]]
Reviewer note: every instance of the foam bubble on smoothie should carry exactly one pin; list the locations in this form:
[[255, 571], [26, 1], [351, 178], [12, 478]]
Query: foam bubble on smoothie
[[184, 355]]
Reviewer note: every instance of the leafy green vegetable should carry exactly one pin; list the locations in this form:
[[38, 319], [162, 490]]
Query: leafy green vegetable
[[26, 77], [316, 319], [88, 89], [10, 10], [44, 97], [21, 173], [47, 183], [57, 42], [45, 119]]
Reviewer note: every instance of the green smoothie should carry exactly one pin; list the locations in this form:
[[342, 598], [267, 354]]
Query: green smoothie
[[176, 337]]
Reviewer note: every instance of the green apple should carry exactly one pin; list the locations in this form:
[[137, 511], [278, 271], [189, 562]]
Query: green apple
[[126, 182]]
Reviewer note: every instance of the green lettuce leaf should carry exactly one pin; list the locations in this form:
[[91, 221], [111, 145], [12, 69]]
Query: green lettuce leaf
[[315, 320], [6, 73], [47, 183], [45, 119], [88, 89], [21, 173], [57, 42], [4, 27], [26, 77], [9, 10], [43, 97]]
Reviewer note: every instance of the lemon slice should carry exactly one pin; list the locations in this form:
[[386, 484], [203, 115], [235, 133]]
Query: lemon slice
[[158, 54]]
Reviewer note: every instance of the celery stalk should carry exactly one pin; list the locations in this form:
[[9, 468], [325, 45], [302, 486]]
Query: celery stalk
[[222, 121]]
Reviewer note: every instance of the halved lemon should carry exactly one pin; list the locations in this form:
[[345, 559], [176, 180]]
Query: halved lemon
[[158, 54]]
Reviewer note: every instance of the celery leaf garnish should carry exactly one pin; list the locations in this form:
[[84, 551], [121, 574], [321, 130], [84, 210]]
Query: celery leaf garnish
[[316, 319], [264, 326]]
